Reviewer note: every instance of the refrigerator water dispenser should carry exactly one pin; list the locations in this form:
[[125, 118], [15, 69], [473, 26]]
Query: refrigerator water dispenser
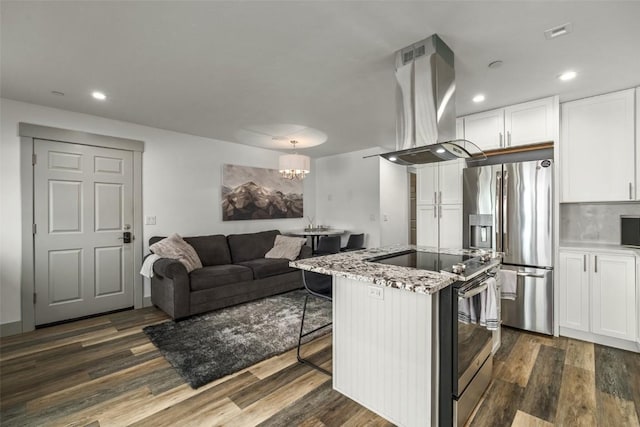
[[480, 231]]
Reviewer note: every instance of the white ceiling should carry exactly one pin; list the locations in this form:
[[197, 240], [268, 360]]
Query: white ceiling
[[215, 68]]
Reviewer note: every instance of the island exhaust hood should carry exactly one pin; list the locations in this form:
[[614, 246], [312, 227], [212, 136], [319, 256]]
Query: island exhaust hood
[[425, 106]]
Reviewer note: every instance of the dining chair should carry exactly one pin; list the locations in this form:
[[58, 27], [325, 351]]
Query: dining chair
[[356, 241], [328, 245]]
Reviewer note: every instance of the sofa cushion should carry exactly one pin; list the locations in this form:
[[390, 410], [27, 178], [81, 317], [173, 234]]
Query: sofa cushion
[[267, 267], [219, 275], [175, 247], [286, 247], [212, 250], [245, 247]]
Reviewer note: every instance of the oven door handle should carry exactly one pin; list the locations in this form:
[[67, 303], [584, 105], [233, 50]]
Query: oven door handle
[[523, 274], [474, 291]]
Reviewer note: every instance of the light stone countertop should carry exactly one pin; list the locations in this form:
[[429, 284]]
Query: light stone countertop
[[597, 246], [353, 265]]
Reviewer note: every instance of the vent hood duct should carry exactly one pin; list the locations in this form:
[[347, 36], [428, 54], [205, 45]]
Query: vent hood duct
[[425, 104]]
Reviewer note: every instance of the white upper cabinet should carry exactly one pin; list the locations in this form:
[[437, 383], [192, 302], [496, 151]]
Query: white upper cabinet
[[486, 129], [427, 184], [440, 183], [450, 182], [530, 123], [637, 195], [597, 148], [439, 204], [522, 124]]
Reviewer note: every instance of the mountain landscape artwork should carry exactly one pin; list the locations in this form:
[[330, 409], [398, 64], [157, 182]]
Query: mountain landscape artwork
[[259, 193]]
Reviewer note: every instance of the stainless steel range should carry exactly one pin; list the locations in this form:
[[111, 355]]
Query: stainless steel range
[[464, 350]]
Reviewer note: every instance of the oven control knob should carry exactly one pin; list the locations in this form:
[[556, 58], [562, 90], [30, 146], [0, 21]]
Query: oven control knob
[[458, 268]]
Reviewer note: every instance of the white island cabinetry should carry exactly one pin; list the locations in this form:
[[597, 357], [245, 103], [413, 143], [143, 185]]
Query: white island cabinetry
[[383, 344]]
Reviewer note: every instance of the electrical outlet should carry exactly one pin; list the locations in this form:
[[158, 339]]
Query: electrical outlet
[[372, 217], [150, 220], [385, 217], [376, 292]]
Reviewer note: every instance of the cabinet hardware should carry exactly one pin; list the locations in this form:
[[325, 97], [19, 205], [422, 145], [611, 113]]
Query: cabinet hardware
[[435, 212], [440, 211], [435, 198], [523, 274], [584, 262], [596, 263], [509, 138], [439, 196], [630, 191], [500, 142]]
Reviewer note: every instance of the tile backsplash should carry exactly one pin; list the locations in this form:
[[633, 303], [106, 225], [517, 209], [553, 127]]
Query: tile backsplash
[[593, 222]]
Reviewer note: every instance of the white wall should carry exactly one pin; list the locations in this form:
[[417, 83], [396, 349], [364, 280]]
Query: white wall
[[394, 204], [348, 193], [181, 184]]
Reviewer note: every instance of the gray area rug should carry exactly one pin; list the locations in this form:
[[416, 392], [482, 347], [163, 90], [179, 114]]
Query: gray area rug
[[209, 346]]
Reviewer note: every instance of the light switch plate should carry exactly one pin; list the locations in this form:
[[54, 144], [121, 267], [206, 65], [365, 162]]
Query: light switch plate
[[150, 220]]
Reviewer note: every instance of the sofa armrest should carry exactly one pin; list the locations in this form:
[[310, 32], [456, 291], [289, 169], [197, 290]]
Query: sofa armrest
[[170, 268], [305, 252], [170, 288]]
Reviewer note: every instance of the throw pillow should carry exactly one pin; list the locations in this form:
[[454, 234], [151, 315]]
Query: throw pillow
[[286, 247], [175, 247]]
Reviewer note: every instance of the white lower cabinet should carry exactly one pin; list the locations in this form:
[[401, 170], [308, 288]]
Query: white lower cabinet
[[598, 294], [450, 226], [574, 290], [427, 225]]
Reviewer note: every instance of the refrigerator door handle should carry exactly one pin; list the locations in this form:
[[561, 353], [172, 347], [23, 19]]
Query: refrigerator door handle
[[497, 216], [505, 216]]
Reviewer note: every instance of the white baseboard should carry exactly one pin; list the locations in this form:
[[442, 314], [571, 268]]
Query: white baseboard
[[600, 339], [11, 328]]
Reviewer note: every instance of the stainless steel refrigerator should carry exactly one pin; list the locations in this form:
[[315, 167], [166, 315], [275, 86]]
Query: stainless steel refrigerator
[[509, 207]]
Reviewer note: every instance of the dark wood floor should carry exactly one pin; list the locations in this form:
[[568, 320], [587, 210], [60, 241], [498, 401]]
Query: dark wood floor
[[104, 371]]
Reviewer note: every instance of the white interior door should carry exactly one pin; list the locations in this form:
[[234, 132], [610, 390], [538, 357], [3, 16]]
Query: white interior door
[[83, 201]]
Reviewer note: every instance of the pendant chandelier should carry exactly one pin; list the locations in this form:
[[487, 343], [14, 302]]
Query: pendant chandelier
[[294, 166]]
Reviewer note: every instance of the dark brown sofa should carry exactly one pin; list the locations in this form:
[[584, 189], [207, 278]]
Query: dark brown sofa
[[234, 271]]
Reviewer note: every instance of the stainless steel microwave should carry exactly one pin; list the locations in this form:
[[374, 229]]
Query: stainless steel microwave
[[630, 230]]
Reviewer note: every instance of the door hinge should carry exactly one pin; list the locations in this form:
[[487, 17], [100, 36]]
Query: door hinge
[[34, 297], [34, 228], [34, 159]]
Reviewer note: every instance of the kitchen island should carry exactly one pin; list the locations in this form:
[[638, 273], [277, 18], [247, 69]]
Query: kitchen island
[[385, 330]]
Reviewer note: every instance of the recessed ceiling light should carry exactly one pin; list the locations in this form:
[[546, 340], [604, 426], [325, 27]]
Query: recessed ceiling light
[[560, 30], [99, 95], [393, 159], [440, 150], [567, 75], [478, 98]]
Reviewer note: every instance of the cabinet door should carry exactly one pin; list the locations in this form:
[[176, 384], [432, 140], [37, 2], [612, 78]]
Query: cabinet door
[[450, 182], [460, 128], [427, 184], [637, 190], [530, 123], [574, 290], [613, 296], [485, 129], [597, 148], [450, 226], [427, 226]]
